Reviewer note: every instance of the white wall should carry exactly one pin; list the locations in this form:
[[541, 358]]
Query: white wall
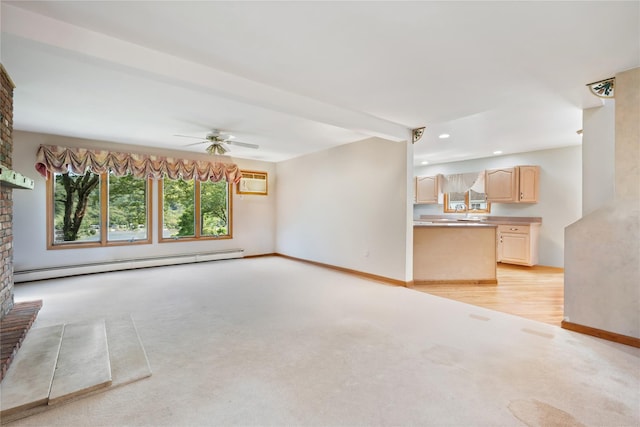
[[348, 207], [560, 202], [253, 216], [602, 274], [598, 156]]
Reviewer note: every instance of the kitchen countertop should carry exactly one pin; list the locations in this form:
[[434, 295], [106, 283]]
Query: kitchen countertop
[[452, 223], [431, 220]]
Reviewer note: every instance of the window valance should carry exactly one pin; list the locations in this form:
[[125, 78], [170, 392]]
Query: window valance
[[56, 159], [463, 182]]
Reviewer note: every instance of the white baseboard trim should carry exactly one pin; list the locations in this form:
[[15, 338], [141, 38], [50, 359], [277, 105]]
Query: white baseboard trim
[[124, 264]]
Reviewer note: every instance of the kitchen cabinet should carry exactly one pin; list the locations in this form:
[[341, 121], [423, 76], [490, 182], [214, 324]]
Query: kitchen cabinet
[[529, 184], [427, 189], [518, 244], [518, 184]]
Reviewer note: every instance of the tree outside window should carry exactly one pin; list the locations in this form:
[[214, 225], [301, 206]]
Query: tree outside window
[[97, 210], [214, 208], [77, 208], [195, 210], [127, 208]]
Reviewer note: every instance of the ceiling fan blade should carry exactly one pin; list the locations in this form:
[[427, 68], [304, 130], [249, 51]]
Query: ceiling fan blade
[[196, 143], [242, 144], [189, 136]]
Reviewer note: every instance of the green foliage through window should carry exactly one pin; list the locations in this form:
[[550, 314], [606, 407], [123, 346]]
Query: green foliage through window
[[178, 207], [186, 201], [214, 208], [77, 207], [127, 208], [79, 200]]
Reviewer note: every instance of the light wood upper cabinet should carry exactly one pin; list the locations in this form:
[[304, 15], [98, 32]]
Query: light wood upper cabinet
[[529, 184], [518, 184], [426, 189], [501, 185]]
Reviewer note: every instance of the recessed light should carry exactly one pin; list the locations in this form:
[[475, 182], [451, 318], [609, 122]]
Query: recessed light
[[497, 152], [425, 163], [444, 136]]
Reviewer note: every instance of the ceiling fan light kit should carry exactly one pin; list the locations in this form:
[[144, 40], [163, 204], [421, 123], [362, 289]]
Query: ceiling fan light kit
[[216, 149]]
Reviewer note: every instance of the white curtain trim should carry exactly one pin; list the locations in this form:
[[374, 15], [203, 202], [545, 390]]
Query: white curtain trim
[[463, 182]]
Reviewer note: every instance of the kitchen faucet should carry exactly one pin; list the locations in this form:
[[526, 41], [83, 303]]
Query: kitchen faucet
[[463, 209]]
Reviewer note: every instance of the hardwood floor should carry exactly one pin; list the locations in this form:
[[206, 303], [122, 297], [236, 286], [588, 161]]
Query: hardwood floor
[[535, 293]]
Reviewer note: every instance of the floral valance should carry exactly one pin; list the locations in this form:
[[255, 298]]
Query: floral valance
[[50, 158]]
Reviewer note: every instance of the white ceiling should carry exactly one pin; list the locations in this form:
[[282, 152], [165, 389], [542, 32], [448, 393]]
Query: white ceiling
[[298, 77]]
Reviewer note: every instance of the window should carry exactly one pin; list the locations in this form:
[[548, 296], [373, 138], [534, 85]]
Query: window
[[97, 210], [192, 210], [469, 201], [127, 218]]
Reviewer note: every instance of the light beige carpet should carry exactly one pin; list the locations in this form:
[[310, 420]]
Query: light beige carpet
[[271, 341]]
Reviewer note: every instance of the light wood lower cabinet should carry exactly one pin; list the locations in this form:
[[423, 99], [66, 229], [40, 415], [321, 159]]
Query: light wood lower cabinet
[[518, 244]]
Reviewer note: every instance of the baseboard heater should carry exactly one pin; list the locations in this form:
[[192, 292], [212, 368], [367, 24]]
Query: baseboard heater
[[124, 264]]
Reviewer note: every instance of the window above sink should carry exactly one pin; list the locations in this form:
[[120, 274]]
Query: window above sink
[[467, 202]]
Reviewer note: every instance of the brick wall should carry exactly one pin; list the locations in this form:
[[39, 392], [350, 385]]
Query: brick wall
[[6, 194]]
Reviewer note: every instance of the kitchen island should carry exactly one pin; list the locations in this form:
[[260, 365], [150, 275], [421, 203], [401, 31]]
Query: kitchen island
[[454, 252]]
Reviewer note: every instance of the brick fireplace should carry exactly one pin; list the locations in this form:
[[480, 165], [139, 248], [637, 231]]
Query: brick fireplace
[[15, 319], [6, 194]]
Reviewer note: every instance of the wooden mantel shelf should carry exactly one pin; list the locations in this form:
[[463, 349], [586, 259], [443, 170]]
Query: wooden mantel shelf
[[13, 179]]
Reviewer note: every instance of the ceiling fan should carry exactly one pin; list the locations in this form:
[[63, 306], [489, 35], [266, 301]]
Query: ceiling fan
[[218, 142]]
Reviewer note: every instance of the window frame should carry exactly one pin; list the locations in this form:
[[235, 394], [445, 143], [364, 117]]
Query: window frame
[[197, 216], [447, 209], [104, 217]]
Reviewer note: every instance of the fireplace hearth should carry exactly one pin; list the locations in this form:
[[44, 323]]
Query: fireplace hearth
[[13, 329]]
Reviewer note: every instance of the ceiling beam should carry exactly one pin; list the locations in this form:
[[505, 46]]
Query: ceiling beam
[[136, 59]]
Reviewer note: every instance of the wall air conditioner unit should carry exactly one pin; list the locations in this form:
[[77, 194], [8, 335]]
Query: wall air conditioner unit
[[253, 182]]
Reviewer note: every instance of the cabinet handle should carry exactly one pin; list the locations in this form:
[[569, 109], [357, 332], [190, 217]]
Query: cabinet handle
[[513, 229]]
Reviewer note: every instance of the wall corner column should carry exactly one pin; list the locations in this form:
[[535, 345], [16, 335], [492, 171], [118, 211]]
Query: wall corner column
[[602, 249]]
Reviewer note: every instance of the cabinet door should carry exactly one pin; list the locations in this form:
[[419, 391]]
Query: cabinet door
[[501, 185], [427, 189], [529, 183], [514, 248], [518, 244]]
